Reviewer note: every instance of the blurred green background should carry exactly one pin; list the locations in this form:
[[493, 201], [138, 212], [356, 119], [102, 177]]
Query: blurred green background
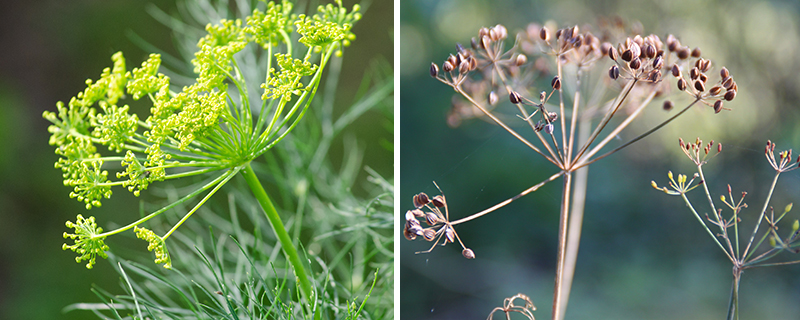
[[49, 48], [643, 255]]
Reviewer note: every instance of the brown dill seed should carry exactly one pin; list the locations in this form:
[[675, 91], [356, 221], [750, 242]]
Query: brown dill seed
[[431, 218], [409, 235], [556, 83], [635, 63], [449, 234], [421, 199], [613, 72], [668, 105], [485, 42], [658, 63], [676, 71], [717, 106], [544, 34], [681, 84], [730, 94], [699, 85], [683, 53], [467, 253], [521, 59], [727, 83], [463, 68], [429, 234], [723, 73], [627, 55], [514, 97], [694, 73], [434, 70], [447, 66], [672, 43], [715, 90], [654, 75], [438, 201], [650, 51], [696, 52], [703, 77]]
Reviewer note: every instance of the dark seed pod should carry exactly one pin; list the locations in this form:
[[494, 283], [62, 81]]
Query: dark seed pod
[[454, 61], [658, 63], [676, 71], [681, 84], [449, 234], [683, 53], [635, 63], [636, 50], [694, 73], [604, 47], [627, 55], [613, 72], [699, 86], [467, 253], [715, 90], [717, 106], [650, 51], [556, 83], [696, 52], [431, 218], [408, 234], [723, 73], [654, 75], [730, 94], [438, 201], [727, 83], [521, 59], [492, 98], [548, 128], [705, 65], [544, 34], [667, 105], [514, 97], [434, 70], [672, 43], [703, 77], [447, 66], [578, 41], [421, 199], [473, 43], [612, 52], [429, 234], [463, 68], [473, 63]]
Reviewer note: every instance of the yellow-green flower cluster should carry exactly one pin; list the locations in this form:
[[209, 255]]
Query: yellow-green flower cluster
[[329, 25], [154, 242], [272, 26], [287, 82], [87, 243]]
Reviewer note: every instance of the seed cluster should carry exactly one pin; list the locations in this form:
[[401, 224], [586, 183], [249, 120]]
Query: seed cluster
[[429, 210]]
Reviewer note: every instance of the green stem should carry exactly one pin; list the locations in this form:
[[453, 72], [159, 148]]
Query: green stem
[[280, 231]]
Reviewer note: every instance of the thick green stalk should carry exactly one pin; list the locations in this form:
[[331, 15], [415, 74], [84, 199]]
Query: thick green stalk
[[280, 231]]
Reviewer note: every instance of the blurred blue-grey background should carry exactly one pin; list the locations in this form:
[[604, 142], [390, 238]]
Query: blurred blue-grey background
[[643, 255], [49, 48]]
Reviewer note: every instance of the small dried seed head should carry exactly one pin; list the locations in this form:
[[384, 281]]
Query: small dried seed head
[[668, 105], [683, 53], [492, 98], [699, 85], [715, 90], [681, 84], [717, 106], [467, 253], [514, 97], [421, 199], [438, 201], [447, 66], [730, 94], [521, 59], [696, 52], [613, 72], [556, 83], [434, 70], [635, 63], [676, 71], [724, 73]]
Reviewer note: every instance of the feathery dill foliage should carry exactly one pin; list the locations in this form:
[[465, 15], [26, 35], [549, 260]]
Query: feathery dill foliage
[[210, 127]]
